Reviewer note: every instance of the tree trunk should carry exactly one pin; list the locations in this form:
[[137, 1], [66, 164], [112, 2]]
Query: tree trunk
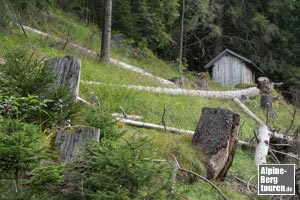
[[251, 92], [216, 136], [181, 34], [106, 31], [68, 70], [69, 142]]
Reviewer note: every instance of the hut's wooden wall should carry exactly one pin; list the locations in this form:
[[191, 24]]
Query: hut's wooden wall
[[230, 70]]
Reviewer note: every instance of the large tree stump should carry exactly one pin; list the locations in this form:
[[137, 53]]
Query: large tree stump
[[68, 142], [68, 70], [216, 136]]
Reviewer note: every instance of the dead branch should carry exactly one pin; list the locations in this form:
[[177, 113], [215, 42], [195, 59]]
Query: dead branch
[[274, 156], [199, 176], [255, 135], [153, 126], [133, 117], [174, 175], [83, 101], [246, 183], [123, 112], [291, 155], [163, 121], [249, 182]]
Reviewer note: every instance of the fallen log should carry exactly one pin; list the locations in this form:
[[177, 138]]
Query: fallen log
[[251, 92], [152, 126], [133, 117], [176, 130], [274, 134], [248, 111]]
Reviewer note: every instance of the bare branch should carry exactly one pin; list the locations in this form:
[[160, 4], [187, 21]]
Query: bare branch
[[199, 176]]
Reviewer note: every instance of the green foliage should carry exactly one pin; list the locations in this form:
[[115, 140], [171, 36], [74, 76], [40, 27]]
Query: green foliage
[[119, 171], [27, 92], [245, 85], [100, 118], [22, 75], [46, 177], [19, 12], [20, 150], [291, 75], [146, 21]]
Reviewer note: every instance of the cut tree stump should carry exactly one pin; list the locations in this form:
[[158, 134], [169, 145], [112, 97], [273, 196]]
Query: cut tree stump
[[264, 85], [68, 142], [68, 71], [266, 101], [216, 136]]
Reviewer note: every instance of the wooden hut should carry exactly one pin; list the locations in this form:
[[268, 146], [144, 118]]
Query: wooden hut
[[230, 68]]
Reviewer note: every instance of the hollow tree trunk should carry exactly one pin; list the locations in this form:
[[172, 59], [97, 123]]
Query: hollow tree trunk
[[216, 136]]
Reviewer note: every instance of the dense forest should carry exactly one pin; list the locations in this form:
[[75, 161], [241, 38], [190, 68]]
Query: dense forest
[[266, 32], [164, 39]]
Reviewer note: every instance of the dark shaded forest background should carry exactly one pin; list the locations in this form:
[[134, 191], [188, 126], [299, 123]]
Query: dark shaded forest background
[[265, 31]]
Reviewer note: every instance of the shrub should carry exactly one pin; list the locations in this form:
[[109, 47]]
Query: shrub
[[26, 92], [22, 75], [114, 170], [100, 118], [20, 150]]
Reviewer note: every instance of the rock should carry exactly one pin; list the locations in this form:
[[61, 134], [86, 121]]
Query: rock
[[216, 136], [68, 70]]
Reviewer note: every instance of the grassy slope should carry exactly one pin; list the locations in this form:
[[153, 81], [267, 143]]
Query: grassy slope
[[182, 111]]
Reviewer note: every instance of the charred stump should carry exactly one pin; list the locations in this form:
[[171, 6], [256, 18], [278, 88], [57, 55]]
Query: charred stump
[[68, 71], [216, 136], [69, 142]]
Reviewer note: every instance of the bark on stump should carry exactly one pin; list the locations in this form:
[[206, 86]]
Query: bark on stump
[[69, 142], [266, 101], [216, 135], [264, 85], [68, 71]]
